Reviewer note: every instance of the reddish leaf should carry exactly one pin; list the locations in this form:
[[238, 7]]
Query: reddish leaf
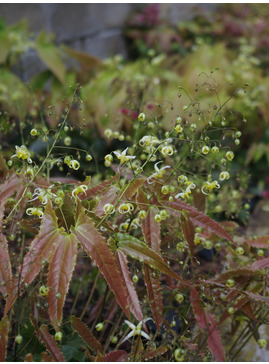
[[244, 272], [155, 294], [3, 167], [260, 264], [110, 196], [96, 247], [151, 230], [11, 185], [132, 298], [29, 357], [41, 248], [50, 343], [139, 250], [199, 200], [99, 189], [116, 356], [197, 217], [142, 200], [86, 335], [150, 353], [260, 242], [60, 273], [5, 266], [207, 322], [247, 309], [257, 297], [134, 187], [189, 232], [4, 327], [46, 356]]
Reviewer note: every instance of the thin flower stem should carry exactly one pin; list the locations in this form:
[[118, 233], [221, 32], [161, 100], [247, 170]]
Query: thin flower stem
[[90, 296]]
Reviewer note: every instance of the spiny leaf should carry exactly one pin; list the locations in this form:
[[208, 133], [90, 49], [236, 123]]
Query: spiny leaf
[[154, 293], [260, 264], [49, 54], [257, 297], [50, 343], [29, 357], [99, 189], [110, 196], [139, 250], [60, 273], [4, 327], [142, 200], [132, 298], [41, 248], [189, 232], [46, 356], [86, 335], [96, 247], [150, 353], [151, 230], [116, 356], [5, 266], [134, 187], [11, 185], [197, 217], [207, 322], [260, 242]]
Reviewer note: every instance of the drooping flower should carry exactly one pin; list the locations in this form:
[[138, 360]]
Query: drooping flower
[[35, 211], [43, 195], [22, 153], [159, 172], [123, 157], [136, 330], [79, 189], [209, 186]]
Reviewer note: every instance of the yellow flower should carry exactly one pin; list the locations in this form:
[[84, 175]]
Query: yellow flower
[[22, 153], [136, 330], [123, 157], [224, 175], [167, 150], [35, 211], [74, 164], [79, 189], [108, 208], [43, 195], [141, 117], [159, 173], [210, 186]]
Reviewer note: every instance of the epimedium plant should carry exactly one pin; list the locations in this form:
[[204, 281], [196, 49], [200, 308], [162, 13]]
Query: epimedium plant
[[145, 223]]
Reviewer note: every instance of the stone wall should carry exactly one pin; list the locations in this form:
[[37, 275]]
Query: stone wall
[[93, 28]]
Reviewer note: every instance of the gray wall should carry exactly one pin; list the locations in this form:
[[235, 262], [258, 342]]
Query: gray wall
[[93, 28]]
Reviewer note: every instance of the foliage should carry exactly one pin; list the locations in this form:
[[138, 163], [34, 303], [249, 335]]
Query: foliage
[[116, 204]]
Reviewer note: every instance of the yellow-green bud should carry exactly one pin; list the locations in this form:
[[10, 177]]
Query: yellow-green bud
[[58, 336], [100, 326], [18, 339]]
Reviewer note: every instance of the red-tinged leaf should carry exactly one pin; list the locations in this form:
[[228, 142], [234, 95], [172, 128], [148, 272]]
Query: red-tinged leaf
[[3, 167], [110, 196], [46, 356], [244, 272], [257, 297], [197, 218], [139, 250], [29, 357], [86, 335], [134, 187], [96, 247], [260, 242], [116, 356], [189, 232], [41, 248], [4, 327], [152, 230], [206, 321], [5, 266], [247, 309], [11, 185], [155, 294], [50, 343], [142, 200], [99, 189], [132, 298], [199, 200], [60, 273], [260, 264], [150, 353]]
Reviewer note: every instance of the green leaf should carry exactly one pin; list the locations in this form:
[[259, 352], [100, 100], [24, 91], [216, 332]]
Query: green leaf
[[85, 333], [96, 247], [140, 251], [60, 273], [49, 54]]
